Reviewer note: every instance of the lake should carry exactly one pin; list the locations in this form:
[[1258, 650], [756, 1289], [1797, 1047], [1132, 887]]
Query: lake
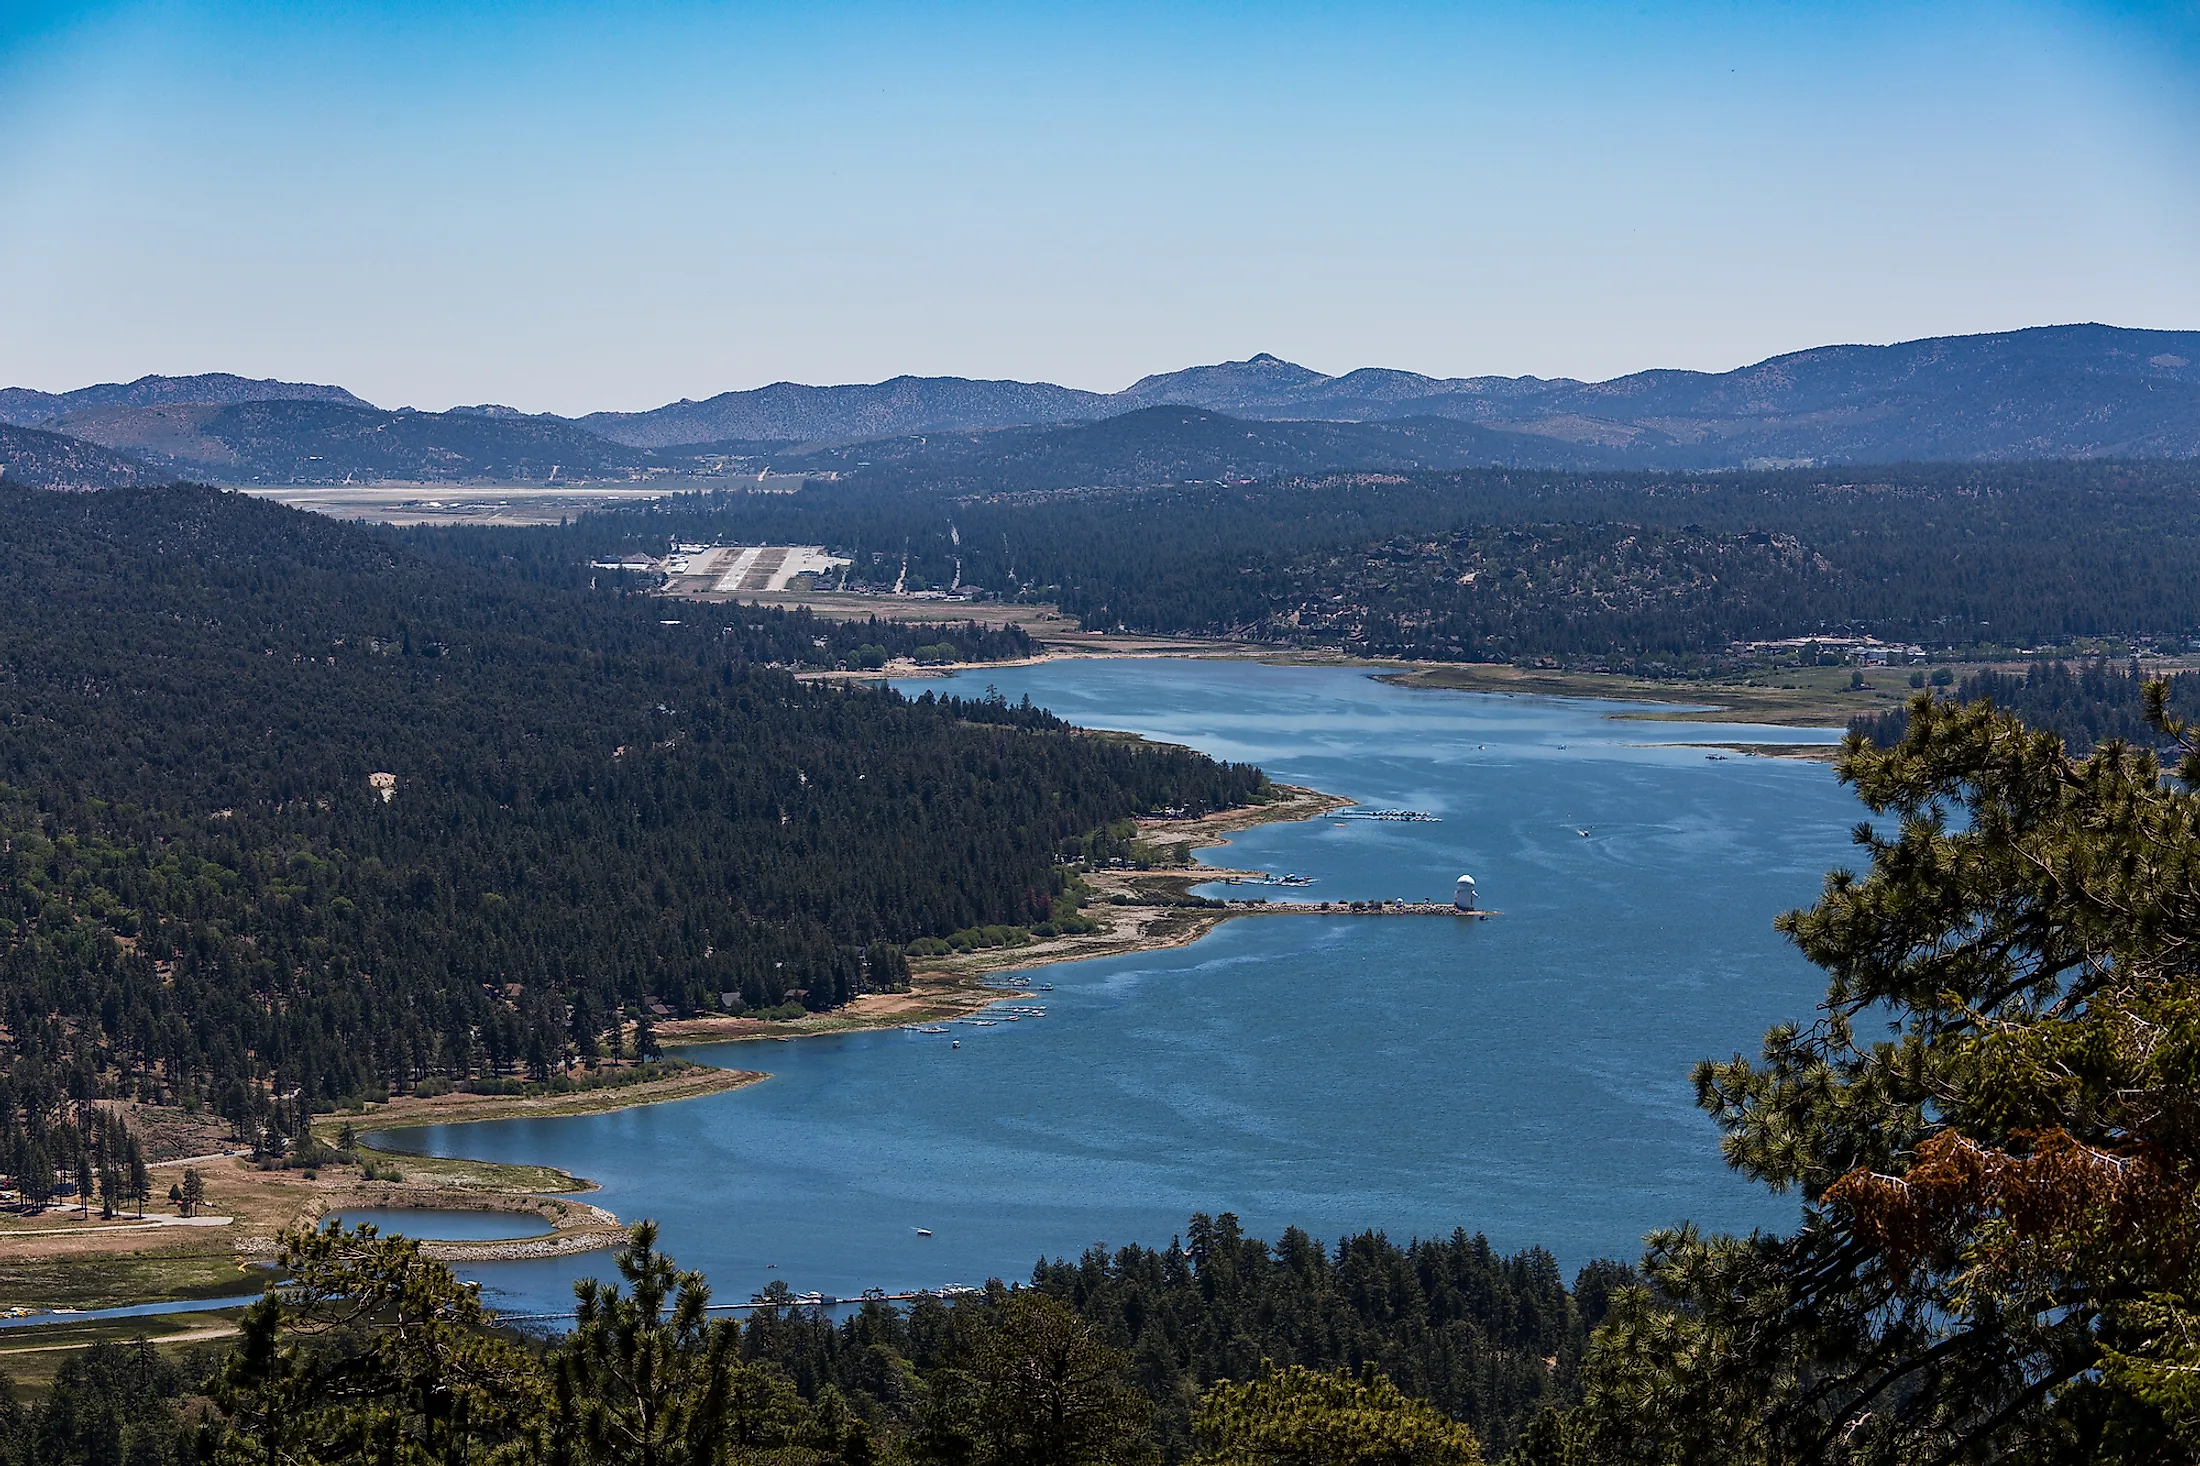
[[1526, 1077], [445, 1225]]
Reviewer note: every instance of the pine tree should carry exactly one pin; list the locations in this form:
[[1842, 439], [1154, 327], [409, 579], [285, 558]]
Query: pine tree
[[2000, 1206], [1286, 1417], [646, 1377]]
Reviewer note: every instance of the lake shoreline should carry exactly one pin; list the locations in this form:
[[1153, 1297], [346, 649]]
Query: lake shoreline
[[1811, 698], [1151, 918], [59, 1260], [1543, 1057], [91, 1264]]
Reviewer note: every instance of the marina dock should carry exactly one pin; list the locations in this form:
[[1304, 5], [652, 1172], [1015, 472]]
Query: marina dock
[[1357, 908]]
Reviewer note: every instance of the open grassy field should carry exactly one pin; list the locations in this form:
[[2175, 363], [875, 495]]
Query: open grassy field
[[1812, 697], [75, 1280]]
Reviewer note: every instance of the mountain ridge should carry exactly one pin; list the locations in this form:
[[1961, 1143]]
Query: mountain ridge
[[2075, 391], [320, 441], [27, 407], [2043, 391]]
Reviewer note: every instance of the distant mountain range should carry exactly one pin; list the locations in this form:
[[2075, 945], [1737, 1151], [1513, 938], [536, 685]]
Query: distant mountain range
[[786, 412], [324, 441], [2049, 392], [25, 408]]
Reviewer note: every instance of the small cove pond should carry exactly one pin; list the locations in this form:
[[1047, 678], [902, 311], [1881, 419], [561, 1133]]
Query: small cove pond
[[442, 1224], [1526, 1077]]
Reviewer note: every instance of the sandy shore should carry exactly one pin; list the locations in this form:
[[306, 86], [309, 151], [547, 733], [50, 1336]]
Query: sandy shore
[[459, 1108]]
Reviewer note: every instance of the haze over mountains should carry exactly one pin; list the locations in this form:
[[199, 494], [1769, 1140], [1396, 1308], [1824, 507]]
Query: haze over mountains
[[2085, 391]]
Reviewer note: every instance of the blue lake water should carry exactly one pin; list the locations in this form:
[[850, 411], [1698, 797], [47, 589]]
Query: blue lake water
[[134, 1310], [1526, 1077], [442, 1225]]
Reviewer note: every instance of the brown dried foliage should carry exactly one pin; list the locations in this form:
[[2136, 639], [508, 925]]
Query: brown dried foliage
[[2063, 1196]]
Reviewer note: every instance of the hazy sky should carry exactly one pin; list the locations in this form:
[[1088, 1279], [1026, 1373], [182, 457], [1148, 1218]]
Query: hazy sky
[[582, 206]]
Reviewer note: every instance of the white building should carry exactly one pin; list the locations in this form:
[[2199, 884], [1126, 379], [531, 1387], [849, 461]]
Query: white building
[[1462, 893]]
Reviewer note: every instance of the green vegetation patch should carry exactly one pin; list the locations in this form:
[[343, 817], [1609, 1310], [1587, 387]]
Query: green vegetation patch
[[113, 1282]]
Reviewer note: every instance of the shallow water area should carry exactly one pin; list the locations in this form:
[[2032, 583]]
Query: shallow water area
[[443, 1224], [1525, 1076], [41, 1319]]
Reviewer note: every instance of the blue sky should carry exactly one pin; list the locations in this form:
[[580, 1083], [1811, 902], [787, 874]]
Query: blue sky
[[582, 206]]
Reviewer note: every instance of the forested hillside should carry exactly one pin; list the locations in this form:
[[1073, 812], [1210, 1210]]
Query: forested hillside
[[292, 806], [2085, 706], [1111, 1360], [1987, 1132], [1653, 572], [1158, 446], [30, 458], [789, 411], [1488, 1339], [282, 442]]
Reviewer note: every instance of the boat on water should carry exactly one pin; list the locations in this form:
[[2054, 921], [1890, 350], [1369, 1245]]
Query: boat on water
[[933, 1028], [924, 1231]]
